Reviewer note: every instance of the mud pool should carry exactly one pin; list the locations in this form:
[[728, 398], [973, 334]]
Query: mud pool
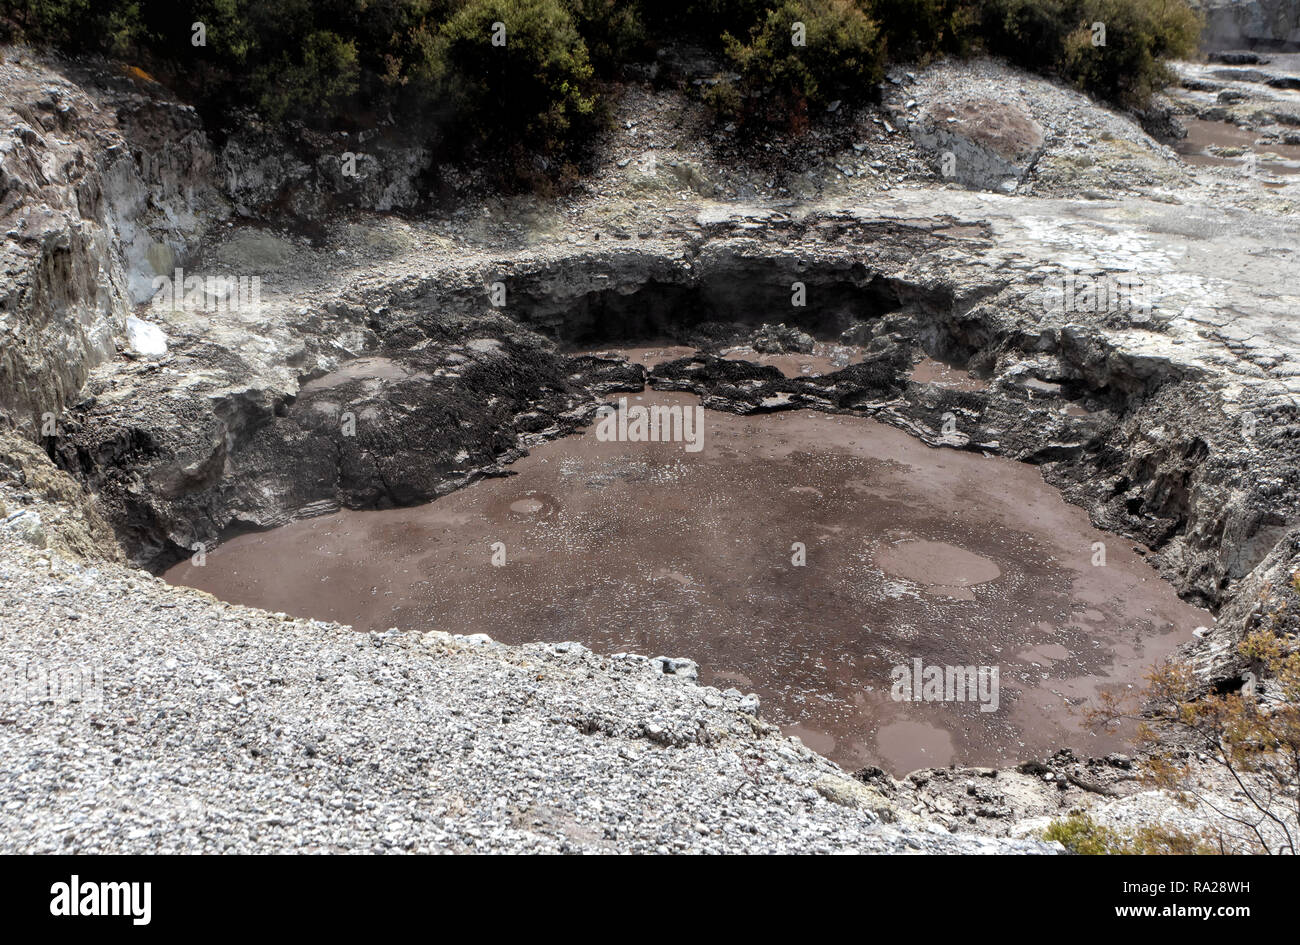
[[907, 553], [1219, 144]]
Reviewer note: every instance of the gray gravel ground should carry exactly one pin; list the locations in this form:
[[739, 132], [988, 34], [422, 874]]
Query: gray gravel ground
[[208, 727]]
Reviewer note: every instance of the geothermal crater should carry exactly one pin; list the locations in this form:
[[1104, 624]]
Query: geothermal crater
[[802, 555], [905, 474]]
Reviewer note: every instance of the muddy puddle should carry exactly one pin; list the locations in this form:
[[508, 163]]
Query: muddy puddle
[[820, 561], [931, 371], [825, 358], [1220, 144]]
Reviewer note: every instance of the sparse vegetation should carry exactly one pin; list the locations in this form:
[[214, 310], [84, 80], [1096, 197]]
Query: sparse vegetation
[[1252, 735], [1080, 834]]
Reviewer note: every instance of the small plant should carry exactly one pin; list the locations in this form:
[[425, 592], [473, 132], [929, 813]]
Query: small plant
[[1256, 742], [1080, 834]]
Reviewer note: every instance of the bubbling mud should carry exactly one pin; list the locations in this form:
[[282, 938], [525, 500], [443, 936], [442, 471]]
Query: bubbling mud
[[799, 555]]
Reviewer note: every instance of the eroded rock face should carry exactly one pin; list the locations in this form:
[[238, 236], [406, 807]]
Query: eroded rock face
[[306, 175], [46, 508], [431, 407], [1266, 24], [164, 198], [100, 191], [62, 301]]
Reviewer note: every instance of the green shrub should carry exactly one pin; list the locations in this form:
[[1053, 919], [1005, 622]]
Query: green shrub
[[702, 21], [332, 62], [536, 88], [919, 29], [324, 73], [842, 57], [612, 29], [1139, 34], [1057, 36], [1080, 834], [76, 25]]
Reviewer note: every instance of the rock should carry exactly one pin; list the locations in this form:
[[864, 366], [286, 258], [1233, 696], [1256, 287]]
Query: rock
[[780, 339], [27, 526], [850, 793], [982, 144], [1238, 24], [113, 184], [1237, 58], [144, 339], [682, 668]]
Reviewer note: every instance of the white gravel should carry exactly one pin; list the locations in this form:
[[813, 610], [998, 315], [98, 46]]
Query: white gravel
[[208, 727]]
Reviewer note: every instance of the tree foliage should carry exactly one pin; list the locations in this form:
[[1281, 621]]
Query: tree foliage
[[328, 61], [802, 54]]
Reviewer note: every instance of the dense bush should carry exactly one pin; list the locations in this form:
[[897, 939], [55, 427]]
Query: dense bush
[[75, 25], [344, 61], [919, 29], [613, 31], [1057, 36], [840, 56], [535, 88], [849, 40]]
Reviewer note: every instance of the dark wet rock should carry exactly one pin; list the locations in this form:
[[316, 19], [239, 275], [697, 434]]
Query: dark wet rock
[[738, 386], [606, 375], [780, 339], [1237, 58]]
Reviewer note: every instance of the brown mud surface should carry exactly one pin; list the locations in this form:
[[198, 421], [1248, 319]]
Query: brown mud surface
[[931, 371], [911, 553], [1220, 144]]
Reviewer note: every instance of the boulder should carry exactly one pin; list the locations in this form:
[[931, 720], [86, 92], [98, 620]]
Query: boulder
[[980, 144]]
